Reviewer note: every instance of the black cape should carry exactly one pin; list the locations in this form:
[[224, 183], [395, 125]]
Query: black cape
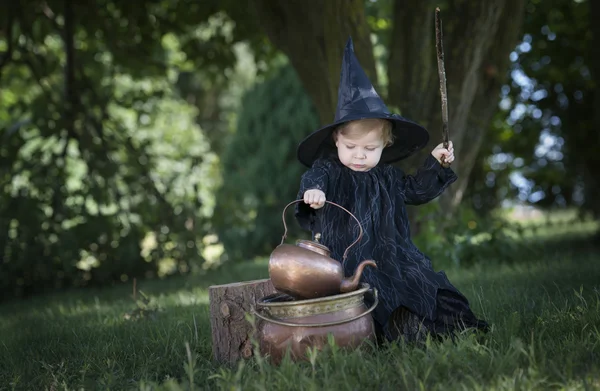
[[404, 277]]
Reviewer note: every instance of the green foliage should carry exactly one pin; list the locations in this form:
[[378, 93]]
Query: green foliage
[[78, 214], [468, 238], [104, 173], [541, 309], [260, 171]]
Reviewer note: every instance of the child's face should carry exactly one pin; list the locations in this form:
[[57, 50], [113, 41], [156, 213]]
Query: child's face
[[360, 146]]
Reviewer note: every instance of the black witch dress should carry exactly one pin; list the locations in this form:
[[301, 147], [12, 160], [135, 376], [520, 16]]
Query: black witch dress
[[414, 300]]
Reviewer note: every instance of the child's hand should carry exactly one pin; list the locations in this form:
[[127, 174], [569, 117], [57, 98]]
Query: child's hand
[[314, 197], [440, 153]]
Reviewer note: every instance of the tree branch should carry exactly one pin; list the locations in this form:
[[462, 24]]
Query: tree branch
[[70, 87]]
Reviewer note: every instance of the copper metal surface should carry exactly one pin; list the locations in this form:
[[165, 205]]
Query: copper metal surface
[[306, 271], [299, 324]]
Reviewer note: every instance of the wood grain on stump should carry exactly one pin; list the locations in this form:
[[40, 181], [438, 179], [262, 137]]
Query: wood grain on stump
[[229, 304]]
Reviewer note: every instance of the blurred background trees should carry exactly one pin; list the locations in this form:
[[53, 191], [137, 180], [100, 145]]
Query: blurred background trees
[[260, 172], [151, 139], [542, 147]]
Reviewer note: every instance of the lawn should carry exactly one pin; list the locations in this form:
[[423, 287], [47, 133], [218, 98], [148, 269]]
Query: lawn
[[544, 311]]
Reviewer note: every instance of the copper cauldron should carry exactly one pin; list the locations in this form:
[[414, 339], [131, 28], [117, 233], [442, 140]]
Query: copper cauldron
[[306, 270], [299, 324]]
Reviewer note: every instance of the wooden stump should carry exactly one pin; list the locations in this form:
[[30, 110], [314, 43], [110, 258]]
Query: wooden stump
[[229, 304]]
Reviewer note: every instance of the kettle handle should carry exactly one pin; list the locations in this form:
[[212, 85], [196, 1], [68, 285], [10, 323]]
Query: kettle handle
[[328, 202]]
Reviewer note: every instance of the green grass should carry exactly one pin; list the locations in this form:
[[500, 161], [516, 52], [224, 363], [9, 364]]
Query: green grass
[[546, 335]]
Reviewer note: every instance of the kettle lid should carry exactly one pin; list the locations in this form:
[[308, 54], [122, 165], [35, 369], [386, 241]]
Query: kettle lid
[[314, 245]]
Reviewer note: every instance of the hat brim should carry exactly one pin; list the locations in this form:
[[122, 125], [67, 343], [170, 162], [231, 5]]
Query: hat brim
[[409, 137]]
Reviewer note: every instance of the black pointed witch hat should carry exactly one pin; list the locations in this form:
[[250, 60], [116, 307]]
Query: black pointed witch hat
[[357, 99]]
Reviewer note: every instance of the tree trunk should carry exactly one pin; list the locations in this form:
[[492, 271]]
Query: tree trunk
[[412, 66], [313, 36], [491, 77], [231, 331], [478, 37]]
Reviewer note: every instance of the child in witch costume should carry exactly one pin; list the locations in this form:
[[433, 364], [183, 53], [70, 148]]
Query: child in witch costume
[[349, 164]]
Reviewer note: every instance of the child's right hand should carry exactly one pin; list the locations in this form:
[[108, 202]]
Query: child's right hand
[[314, 197]]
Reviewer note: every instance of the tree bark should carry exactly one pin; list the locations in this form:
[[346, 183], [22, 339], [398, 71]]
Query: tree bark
[[490, 76], [478, 37], [412, 66], [229, 304], [313, 37]]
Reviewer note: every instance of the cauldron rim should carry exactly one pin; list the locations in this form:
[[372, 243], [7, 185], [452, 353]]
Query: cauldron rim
[[364, 288]]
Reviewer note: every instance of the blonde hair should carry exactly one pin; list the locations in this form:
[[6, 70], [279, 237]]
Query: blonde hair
[[368, 125]]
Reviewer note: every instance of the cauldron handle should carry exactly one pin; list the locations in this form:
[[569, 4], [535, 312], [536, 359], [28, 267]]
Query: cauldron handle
[[328, 202], [324, 324]]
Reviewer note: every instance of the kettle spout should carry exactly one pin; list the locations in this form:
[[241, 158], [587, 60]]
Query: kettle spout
[[351, 283]]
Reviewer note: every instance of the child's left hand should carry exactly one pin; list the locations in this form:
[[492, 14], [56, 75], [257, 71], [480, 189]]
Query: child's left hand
[[440, 152]]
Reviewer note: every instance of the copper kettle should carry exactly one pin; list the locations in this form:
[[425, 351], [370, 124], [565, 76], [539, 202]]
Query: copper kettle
[[306, 270]]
